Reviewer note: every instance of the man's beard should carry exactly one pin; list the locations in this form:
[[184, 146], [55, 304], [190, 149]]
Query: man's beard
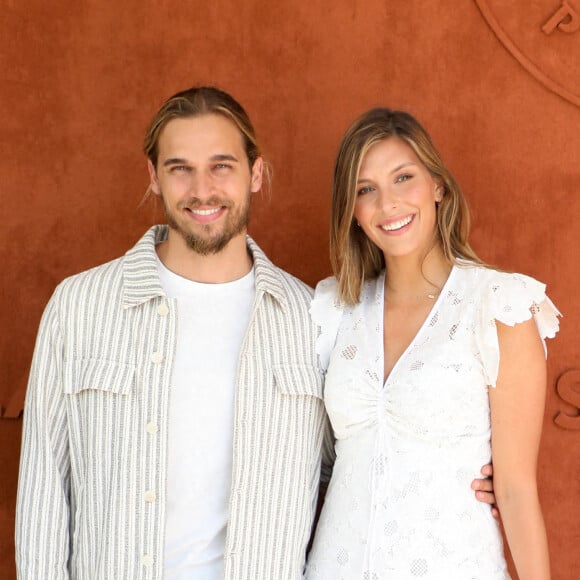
[[235, 223]]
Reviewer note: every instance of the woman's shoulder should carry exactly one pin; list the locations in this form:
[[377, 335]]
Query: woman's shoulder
[[511, 297], [327, 295], [327, 310], [326, 287], [501, 284]]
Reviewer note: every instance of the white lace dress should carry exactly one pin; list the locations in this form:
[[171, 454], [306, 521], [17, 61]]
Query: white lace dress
[[399, 505]]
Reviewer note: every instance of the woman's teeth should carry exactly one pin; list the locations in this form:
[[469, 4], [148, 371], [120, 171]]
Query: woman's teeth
[[398, 224]]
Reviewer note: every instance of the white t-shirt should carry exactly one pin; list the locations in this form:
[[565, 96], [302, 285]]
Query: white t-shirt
[[211, 325]]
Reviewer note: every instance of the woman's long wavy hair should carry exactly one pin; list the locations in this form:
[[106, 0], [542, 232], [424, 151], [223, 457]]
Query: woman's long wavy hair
[[353, 256]]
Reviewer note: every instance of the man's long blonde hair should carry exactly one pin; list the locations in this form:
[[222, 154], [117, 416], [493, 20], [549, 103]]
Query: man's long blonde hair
[[198, 101]]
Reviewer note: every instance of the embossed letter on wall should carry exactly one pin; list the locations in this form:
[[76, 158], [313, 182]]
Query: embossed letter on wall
[[564, 19], [568, 387], [544, 37]]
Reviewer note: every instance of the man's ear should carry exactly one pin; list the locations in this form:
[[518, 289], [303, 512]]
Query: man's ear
[[153, 181], [257, 172]]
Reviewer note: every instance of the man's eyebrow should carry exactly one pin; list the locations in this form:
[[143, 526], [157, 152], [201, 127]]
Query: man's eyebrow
[[224, 157], [216, 157], [175, 161]]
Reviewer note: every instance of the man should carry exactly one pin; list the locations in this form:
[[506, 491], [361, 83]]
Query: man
[[174, 424]]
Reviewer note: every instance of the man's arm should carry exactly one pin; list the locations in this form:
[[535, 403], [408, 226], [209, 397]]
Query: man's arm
[[328, 454], [42, 510]]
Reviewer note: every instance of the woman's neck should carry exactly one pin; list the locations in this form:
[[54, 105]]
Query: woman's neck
[[410, 277]]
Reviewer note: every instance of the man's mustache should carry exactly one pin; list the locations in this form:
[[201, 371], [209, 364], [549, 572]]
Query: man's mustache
[[195, 202]]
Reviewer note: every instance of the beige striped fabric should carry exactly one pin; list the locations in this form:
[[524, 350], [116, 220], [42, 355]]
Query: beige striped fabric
[[91, 495]]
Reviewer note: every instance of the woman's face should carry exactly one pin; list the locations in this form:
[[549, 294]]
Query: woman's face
[[395, 203]]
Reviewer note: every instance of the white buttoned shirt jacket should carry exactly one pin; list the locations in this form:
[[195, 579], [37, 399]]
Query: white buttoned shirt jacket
[[91, 495]]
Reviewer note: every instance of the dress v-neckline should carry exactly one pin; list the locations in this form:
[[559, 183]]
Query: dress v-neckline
[[430, 314]]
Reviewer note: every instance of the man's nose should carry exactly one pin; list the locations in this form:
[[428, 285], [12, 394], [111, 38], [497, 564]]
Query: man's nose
[[202, 185]]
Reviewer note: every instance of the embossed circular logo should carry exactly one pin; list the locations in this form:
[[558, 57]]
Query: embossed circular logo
[[544, 36]]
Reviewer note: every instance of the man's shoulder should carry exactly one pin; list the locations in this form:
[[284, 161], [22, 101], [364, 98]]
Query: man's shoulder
[[87, 291], [295, 284], [279, 281], [107, 274], [294, 295]]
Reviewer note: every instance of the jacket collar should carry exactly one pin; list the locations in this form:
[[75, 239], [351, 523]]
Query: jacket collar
[[268, 277], [141, 281]]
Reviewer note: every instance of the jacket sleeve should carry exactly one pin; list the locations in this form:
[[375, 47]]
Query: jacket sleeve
[[42, 510], [328, 453]]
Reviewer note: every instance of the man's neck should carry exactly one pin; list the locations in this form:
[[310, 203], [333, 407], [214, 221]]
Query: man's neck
[[232, 263]]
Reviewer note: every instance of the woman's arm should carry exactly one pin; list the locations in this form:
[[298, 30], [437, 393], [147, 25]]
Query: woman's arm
[[517, 412]]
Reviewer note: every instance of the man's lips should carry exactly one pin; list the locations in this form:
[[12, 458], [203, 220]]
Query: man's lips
[[205, 211], [205, 215]]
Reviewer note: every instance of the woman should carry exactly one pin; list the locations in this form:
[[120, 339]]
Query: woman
[[430, 356]]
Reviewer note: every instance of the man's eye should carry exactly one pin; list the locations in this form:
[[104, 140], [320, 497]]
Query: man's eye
[[222, 165], [179, 168], [364, 190]]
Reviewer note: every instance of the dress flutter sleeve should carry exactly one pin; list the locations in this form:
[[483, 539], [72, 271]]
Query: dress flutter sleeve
[[511, 299], [326, 312]]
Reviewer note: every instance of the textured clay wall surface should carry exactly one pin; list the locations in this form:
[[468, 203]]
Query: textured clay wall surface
[[496, 83]]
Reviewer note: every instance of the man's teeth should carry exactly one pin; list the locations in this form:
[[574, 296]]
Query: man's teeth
[[205, 211], [397, 225]]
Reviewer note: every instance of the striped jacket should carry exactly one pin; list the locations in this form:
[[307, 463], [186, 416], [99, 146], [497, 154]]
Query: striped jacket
[[91, 494]]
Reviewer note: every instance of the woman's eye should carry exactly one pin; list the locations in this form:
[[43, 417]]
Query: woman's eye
[[364, 190], [403, 177]]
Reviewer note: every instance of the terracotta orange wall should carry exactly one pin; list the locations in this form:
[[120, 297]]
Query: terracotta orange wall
[[81, 80]]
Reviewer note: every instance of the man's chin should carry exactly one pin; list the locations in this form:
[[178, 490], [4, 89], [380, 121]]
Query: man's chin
[[206, 241], [206, 246]]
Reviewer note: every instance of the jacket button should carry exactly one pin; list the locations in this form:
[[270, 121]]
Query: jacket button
[[147, 560]]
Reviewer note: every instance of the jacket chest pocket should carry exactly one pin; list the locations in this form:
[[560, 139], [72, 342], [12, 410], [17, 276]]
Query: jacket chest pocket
[[103, 426], [298, 380], [101, 413], [98, 375]]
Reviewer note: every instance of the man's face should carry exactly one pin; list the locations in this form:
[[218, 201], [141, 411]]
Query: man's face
[[204, 180]]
